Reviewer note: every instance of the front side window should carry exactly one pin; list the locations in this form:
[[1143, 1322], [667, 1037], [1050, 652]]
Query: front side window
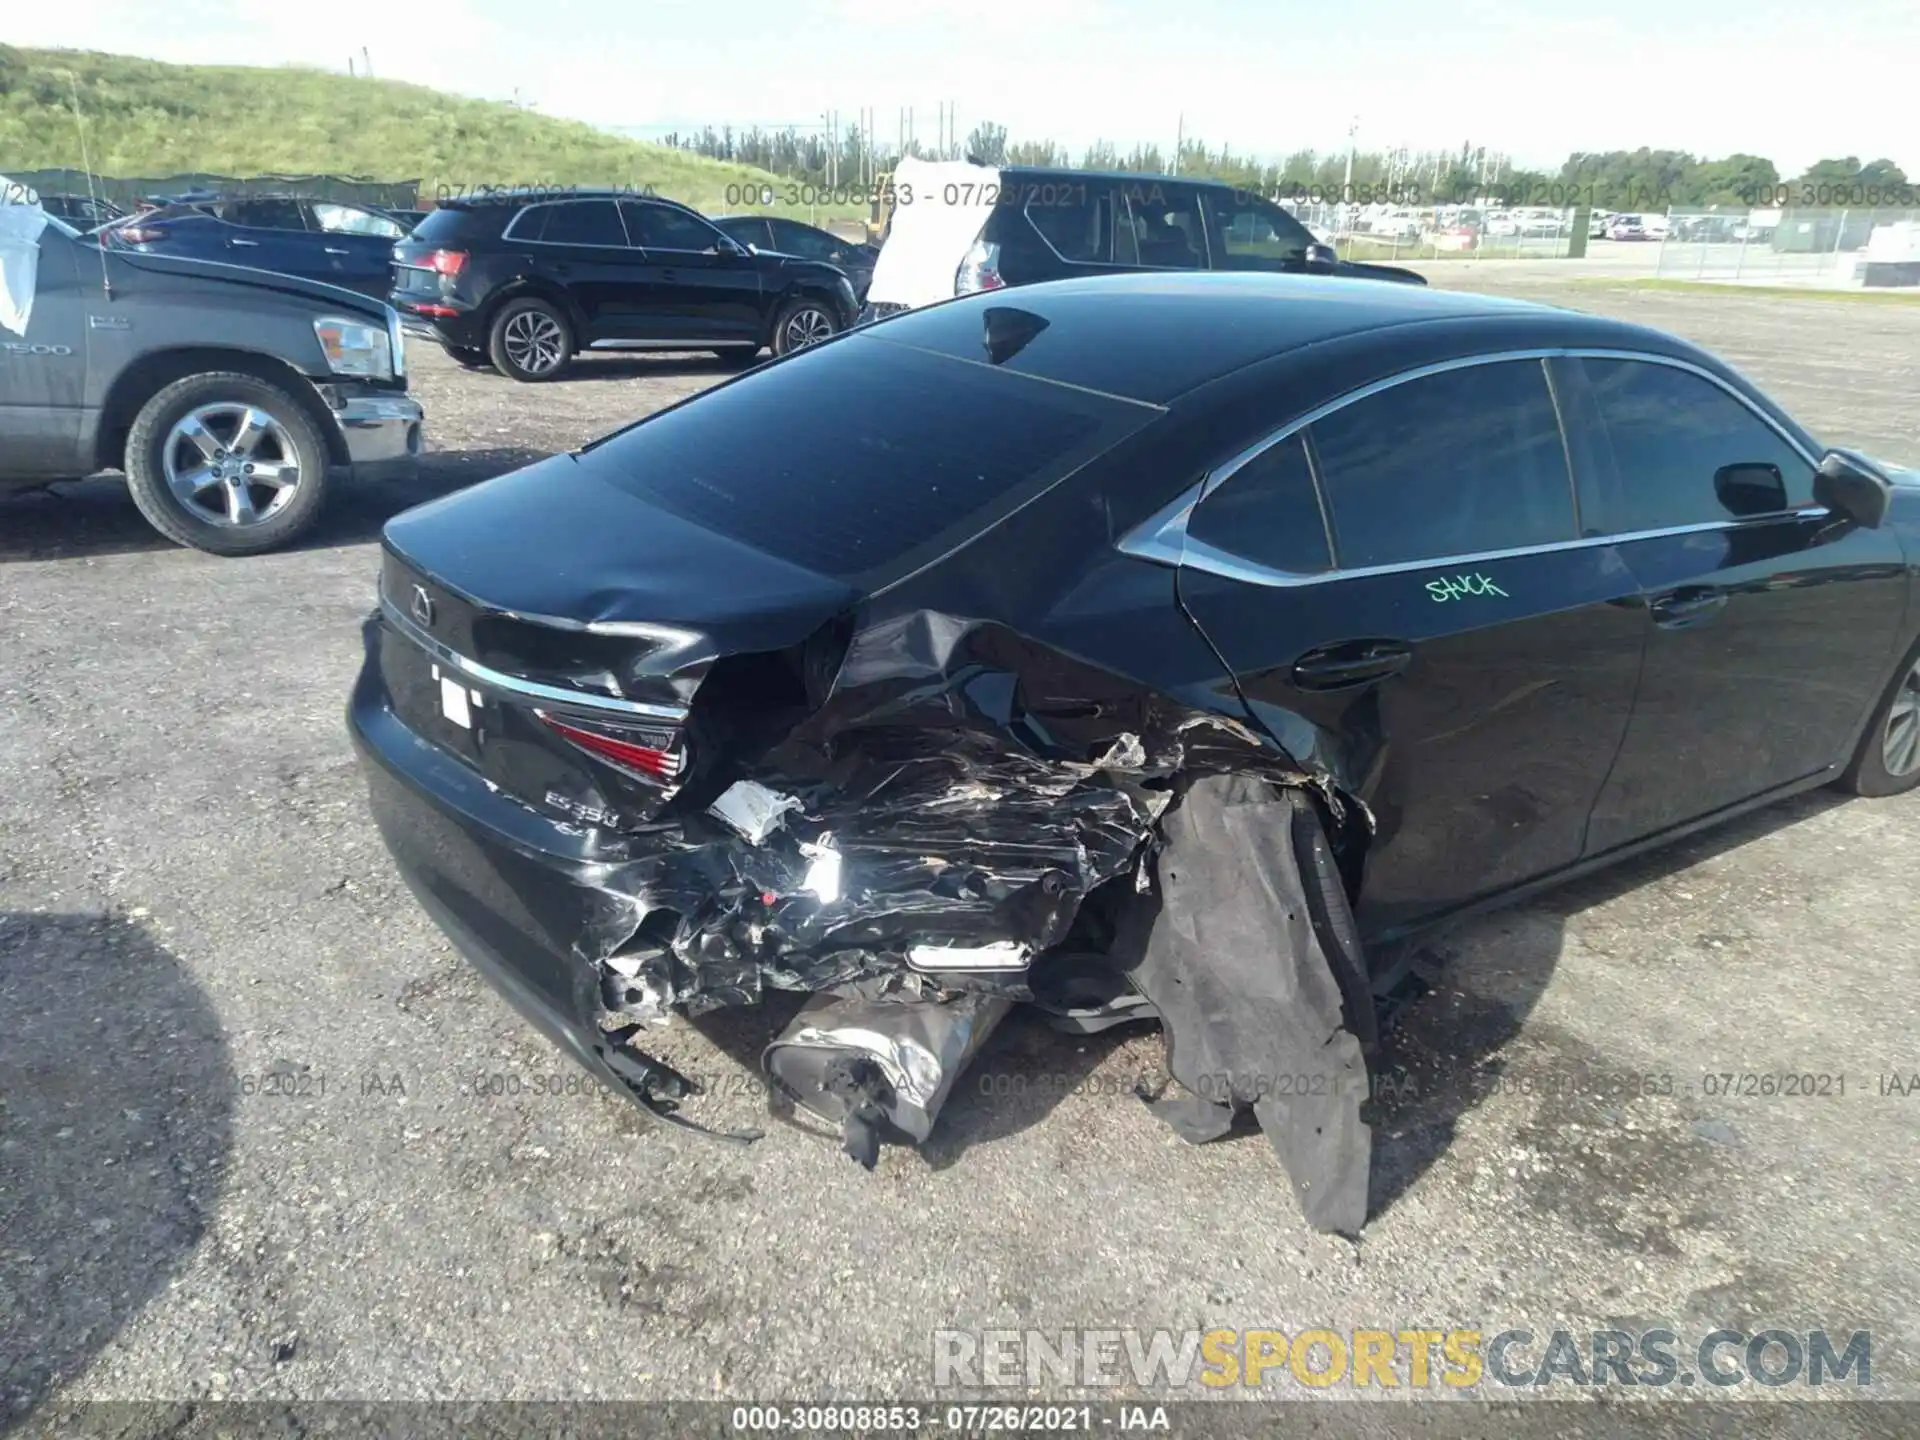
[[1458, 463], [661, 227], [1267, 512], [1687, 453], [352, 220], [1250, 234], [580, 222]]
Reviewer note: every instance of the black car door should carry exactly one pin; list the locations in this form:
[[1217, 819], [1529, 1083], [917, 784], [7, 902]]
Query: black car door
[[1771, 627], [357, 246], [1403, 593], [697, 286], [269, 232], [43, 372], [581, 247]]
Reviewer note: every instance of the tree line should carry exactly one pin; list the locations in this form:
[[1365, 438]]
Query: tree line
[[1610, 179]]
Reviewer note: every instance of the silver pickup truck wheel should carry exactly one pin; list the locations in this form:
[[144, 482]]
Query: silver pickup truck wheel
[[226, 463]]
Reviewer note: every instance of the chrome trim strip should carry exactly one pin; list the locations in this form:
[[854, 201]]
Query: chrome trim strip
[[1162, 538], [514, 685]]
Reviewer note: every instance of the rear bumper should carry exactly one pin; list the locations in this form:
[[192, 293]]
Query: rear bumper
[[461, 329], [509, 888]]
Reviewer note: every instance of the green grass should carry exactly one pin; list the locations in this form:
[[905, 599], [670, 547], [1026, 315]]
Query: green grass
[[1771, 292], [147, 119]]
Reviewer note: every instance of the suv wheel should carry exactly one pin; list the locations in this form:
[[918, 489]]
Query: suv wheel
[[803, 322], [226, 463], [529, 341]]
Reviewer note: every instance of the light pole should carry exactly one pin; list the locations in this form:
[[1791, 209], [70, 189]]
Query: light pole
[[1346, 187]]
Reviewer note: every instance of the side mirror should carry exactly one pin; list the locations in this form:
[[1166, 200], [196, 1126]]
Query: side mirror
[[1321, 257], [1750, 489], [1849, 484], [727, 245]]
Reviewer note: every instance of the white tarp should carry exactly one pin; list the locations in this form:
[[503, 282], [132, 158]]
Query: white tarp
[[21, 221], [940, 207]]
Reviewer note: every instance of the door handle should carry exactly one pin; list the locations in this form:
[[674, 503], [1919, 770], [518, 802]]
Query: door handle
[[247, 244], [336, 250], [1677, 609], [1334, 667]]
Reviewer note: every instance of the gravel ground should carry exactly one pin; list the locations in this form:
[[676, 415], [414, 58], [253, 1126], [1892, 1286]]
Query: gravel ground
[[247, 1147]]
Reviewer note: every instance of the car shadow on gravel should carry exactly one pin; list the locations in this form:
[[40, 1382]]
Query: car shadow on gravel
[[1443, 1053], [75, 518], [116, 1118]]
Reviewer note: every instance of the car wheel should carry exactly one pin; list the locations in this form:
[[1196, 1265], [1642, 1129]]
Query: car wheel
[[468, 359], [737, 357], [803, 322], [226, 463], [529, 341], [1888, 759]]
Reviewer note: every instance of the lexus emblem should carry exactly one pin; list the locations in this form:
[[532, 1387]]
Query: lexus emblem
[[422, 605]]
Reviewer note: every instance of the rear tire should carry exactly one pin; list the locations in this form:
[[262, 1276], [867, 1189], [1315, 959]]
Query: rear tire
[[253, 480], [1887, 761], [530, 341]]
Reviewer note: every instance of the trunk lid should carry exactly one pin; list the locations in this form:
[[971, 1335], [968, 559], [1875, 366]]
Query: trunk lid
[[552, 631]]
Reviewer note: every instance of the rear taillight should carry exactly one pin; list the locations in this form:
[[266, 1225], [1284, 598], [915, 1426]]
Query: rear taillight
[[443, 262], [980, 270], [647, 754]]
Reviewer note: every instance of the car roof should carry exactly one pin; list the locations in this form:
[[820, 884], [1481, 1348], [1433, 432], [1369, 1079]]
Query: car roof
[[1132, 177], [535, 195], [1154, 337]]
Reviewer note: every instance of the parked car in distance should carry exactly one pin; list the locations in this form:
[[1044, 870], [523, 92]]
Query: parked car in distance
[[523, 282], [856, 669], [1627, 227], [323, 240], [958, 227], [790, 237], [230, 397]]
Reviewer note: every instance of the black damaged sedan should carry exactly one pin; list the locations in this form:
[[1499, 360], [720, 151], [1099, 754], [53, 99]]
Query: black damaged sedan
[[1139, 648]]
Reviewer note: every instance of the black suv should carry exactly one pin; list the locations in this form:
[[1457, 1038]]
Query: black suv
[[523, 281]]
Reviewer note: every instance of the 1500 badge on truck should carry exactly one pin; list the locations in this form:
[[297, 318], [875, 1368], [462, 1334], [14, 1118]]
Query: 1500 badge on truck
[[228, 395]]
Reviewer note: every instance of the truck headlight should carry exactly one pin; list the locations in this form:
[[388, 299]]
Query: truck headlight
[[353, 347]]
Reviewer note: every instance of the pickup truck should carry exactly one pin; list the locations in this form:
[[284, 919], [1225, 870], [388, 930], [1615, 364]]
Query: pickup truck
[[231, 397]]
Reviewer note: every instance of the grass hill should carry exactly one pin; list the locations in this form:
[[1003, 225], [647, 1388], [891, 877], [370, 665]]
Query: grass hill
[[146, 119]]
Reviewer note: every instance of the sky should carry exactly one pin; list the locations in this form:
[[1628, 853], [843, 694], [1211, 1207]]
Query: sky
[[1537, 79]]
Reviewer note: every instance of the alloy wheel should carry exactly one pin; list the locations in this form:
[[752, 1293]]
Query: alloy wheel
[[807, 326], [1900, 746], [231, 464], [534, 342]]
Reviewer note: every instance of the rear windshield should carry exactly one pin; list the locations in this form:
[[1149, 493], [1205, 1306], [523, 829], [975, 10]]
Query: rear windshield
[[864, 458], [459, 222]]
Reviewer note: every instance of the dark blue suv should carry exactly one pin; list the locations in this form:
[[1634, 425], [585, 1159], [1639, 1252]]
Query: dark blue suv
[[327, 240]]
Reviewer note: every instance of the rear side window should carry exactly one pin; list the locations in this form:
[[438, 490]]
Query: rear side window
[[803, 240], [1456, 463], [1267, 512], [579, 222], [1076, 219], [1160, 227], [851, 458], [268, 213], [1672, 433]]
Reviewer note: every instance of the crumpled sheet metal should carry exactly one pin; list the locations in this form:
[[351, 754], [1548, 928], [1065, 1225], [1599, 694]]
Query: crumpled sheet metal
[[977, 787], [1248, 952]]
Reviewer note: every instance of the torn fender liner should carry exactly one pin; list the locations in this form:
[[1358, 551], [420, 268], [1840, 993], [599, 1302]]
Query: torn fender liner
[[1247, 950], [857, 1061]]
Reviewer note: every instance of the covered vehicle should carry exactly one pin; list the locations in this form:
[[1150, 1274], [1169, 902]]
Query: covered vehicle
[[1272, 619], [955, 227]]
